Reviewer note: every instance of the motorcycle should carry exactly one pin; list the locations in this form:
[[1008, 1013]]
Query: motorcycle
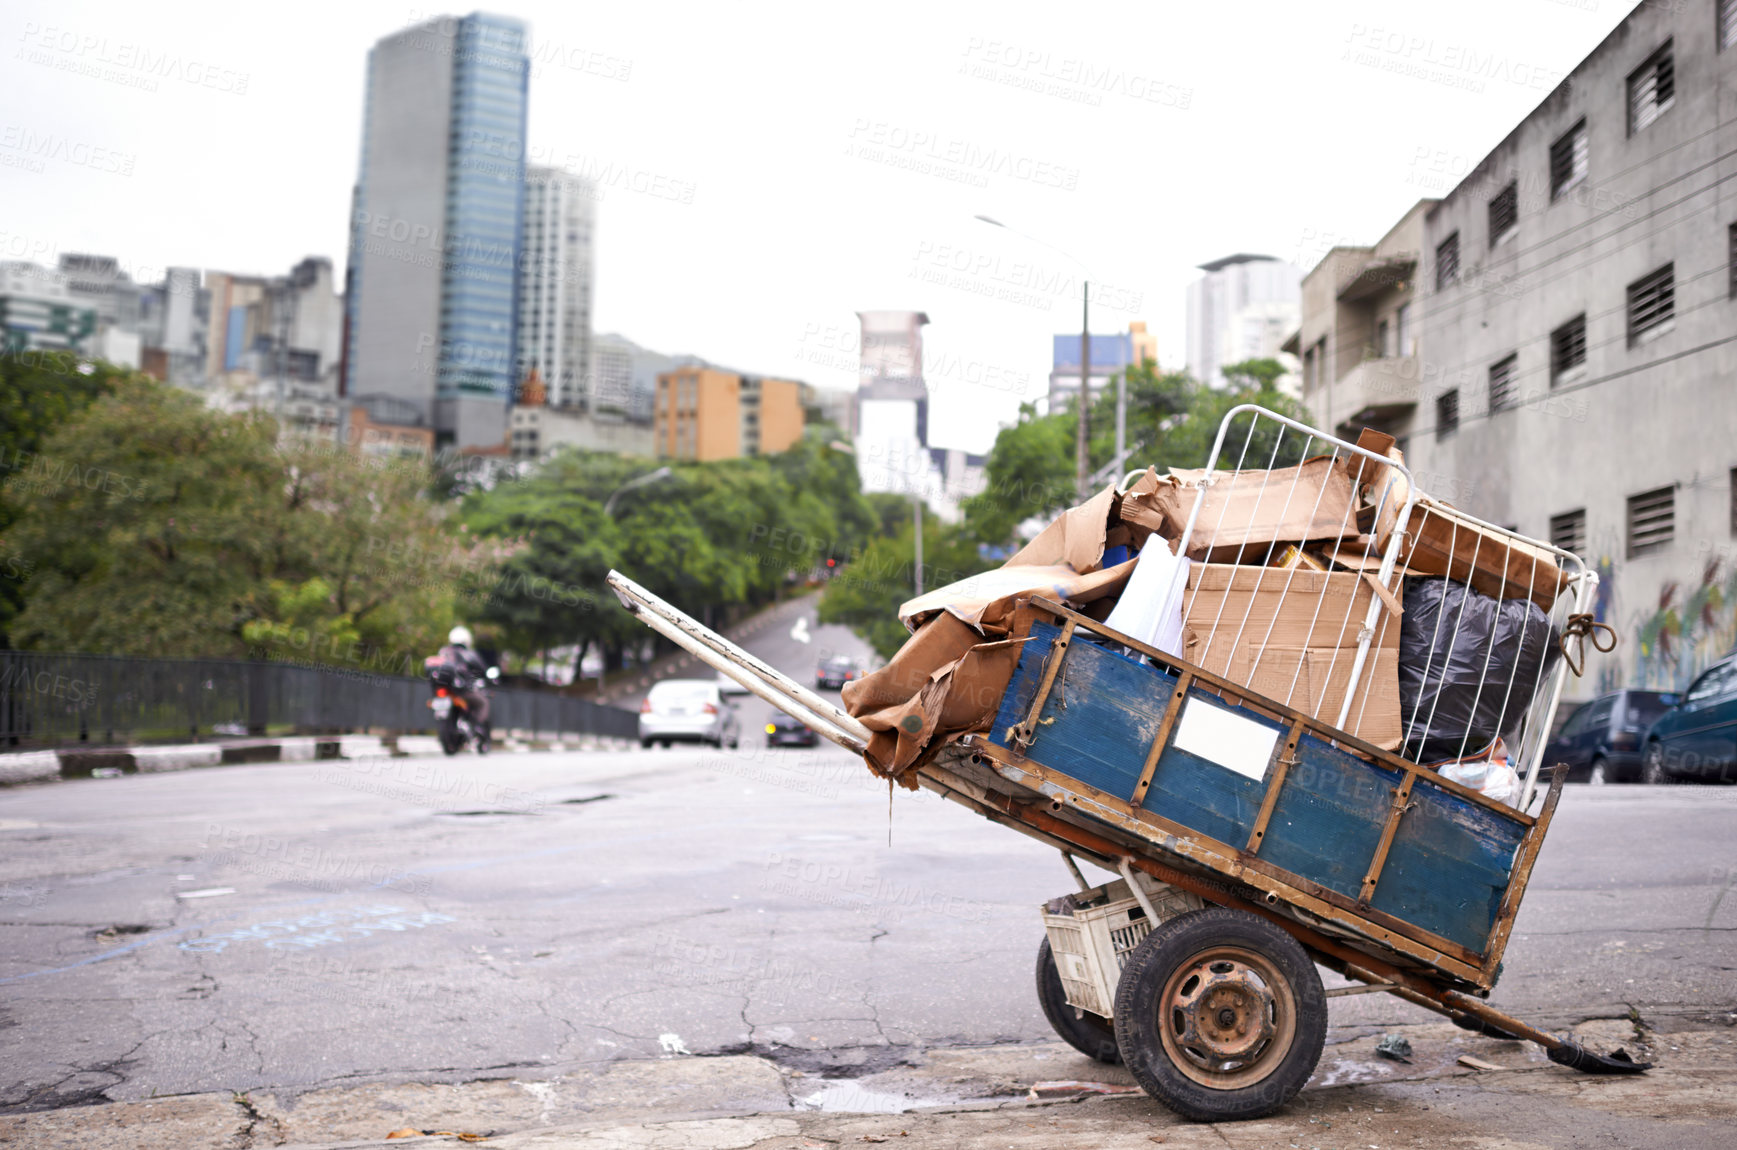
[[452, 681]]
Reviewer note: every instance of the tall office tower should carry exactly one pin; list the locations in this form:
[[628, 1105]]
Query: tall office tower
[[1242, 308], [434, 230], [555, 285]]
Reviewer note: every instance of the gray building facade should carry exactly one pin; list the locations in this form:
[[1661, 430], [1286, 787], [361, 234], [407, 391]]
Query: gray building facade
[[1575, 364], [555, 277], [432, 282]]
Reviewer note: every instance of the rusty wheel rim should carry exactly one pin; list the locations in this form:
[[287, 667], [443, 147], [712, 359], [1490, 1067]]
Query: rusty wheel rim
[[1227, 1017]]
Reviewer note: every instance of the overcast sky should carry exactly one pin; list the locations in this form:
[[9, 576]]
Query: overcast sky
[[768, 170]]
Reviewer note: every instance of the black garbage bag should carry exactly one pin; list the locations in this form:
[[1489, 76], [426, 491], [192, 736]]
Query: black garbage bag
[[1468, 666]]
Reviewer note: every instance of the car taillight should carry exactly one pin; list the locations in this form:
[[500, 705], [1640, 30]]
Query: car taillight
[[1626, 740], [645, 707], [440, 692], [771, 728], [711, 708]]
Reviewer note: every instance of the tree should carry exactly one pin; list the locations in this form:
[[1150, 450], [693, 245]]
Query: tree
[[39, 391], [1030, 471], [184, 531], [867, 592]]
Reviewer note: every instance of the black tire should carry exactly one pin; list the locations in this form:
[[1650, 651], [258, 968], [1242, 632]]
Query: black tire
[[1257, 994], [645, 744], [450, 740], [1086, 1032], [1653, 765], [1598, 774]]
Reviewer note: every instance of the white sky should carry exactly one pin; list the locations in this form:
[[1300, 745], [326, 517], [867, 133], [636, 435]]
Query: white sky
[[767, 158]]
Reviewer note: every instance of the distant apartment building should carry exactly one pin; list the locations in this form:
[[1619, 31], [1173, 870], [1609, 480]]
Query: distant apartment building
[[624, 376], [1110, 352], [435, 224], [1244, 307], [1572, 326], [38, 312], [706, 413], [555, 278]]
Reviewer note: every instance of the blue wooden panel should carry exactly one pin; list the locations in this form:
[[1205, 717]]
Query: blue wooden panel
[[1101, 715], [1449, 866], [1450, 861], [1202, 795], [1327, 822]]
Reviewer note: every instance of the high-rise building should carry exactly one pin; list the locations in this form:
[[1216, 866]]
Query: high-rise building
[[624, 376], [38, 312], [554, 337], [434, 229], [1244, 307]]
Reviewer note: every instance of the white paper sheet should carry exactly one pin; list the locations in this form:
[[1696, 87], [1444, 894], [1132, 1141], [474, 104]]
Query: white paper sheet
[[1150, 608], [1220, 735]]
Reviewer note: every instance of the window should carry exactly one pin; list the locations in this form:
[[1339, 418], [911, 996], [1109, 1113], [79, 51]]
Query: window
[[1567, 349], [1568, 531], [1727, 23], [1381, 349], [1652, 521], [1504, 213], [1568, 161], [1402, 317], [1651, 88], [1502, 383], [1731, 248], [1447, 261], [1447, 413], [1309, 381], [1652, 303]]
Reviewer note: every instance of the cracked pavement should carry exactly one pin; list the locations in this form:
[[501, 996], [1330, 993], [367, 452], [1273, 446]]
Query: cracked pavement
[[382, 961]]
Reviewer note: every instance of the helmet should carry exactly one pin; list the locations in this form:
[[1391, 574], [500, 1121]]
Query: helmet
[[459, 637]]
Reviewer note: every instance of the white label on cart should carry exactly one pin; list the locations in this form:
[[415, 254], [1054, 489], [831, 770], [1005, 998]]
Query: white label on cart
[[1220, 735]]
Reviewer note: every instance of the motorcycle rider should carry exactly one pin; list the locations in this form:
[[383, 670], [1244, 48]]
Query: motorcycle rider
[[476, 700]]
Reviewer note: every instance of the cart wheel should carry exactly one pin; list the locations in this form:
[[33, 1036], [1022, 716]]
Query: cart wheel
[[1220, 1015], [1086, 1032]]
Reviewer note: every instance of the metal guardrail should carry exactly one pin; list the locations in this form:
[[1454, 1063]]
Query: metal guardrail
[[100, 700]]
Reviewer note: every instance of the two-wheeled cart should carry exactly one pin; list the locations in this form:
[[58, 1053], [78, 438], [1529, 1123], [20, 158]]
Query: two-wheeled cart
[[1255, 839]]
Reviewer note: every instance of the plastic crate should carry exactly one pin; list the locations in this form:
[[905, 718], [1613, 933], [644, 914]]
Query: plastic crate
[[1091, 945]]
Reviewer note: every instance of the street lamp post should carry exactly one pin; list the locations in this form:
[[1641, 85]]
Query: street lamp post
[[1082, 462], [649, 477]]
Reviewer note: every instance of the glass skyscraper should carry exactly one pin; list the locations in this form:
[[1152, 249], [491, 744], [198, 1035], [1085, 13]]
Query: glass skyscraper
[[435, 227]]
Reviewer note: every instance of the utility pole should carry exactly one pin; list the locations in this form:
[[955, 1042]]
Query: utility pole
[[1082, 464], [917, 519]]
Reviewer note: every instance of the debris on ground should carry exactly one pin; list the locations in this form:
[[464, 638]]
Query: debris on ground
[[1394, 1046]]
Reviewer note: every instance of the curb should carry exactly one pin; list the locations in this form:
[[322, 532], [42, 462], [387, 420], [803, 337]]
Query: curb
[[108, 762]]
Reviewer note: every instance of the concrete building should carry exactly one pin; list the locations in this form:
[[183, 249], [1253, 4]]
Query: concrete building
[[555, 278], [536, 431], [38, 312], [1576, 328], [624, 376], [434, 234], [1359, 333], [1111, 353], [889, 419], [705, 413], [1244, 307]]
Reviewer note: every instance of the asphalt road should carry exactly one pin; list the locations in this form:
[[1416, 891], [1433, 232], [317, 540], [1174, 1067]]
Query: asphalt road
[[300, 925]]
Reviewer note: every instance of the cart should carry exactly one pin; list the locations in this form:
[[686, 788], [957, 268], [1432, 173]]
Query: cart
[[1255, 838]]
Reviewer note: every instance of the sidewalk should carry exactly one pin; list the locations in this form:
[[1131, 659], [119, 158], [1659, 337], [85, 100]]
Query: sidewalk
[[1028, 1096], [107, 762]]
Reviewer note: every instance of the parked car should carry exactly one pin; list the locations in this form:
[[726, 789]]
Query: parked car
[[784, 731], [835, 672], [687, 711], [1697, 739], [1601, 742], [728, 686]]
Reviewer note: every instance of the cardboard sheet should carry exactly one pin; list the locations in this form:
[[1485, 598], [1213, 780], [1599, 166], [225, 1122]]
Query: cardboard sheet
[[1442, 542], [1247, 511], [984, 600], [1074, 540]]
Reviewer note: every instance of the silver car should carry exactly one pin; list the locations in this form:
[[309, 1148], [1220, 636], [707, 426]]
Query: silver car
[[687, 711]]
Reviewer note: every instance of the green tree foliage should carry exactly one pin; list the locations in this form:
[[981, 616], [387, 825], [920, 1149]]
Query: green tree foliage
[[190, 532], [39, 391], [867, 592], [1172, 421], [711, 538]]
